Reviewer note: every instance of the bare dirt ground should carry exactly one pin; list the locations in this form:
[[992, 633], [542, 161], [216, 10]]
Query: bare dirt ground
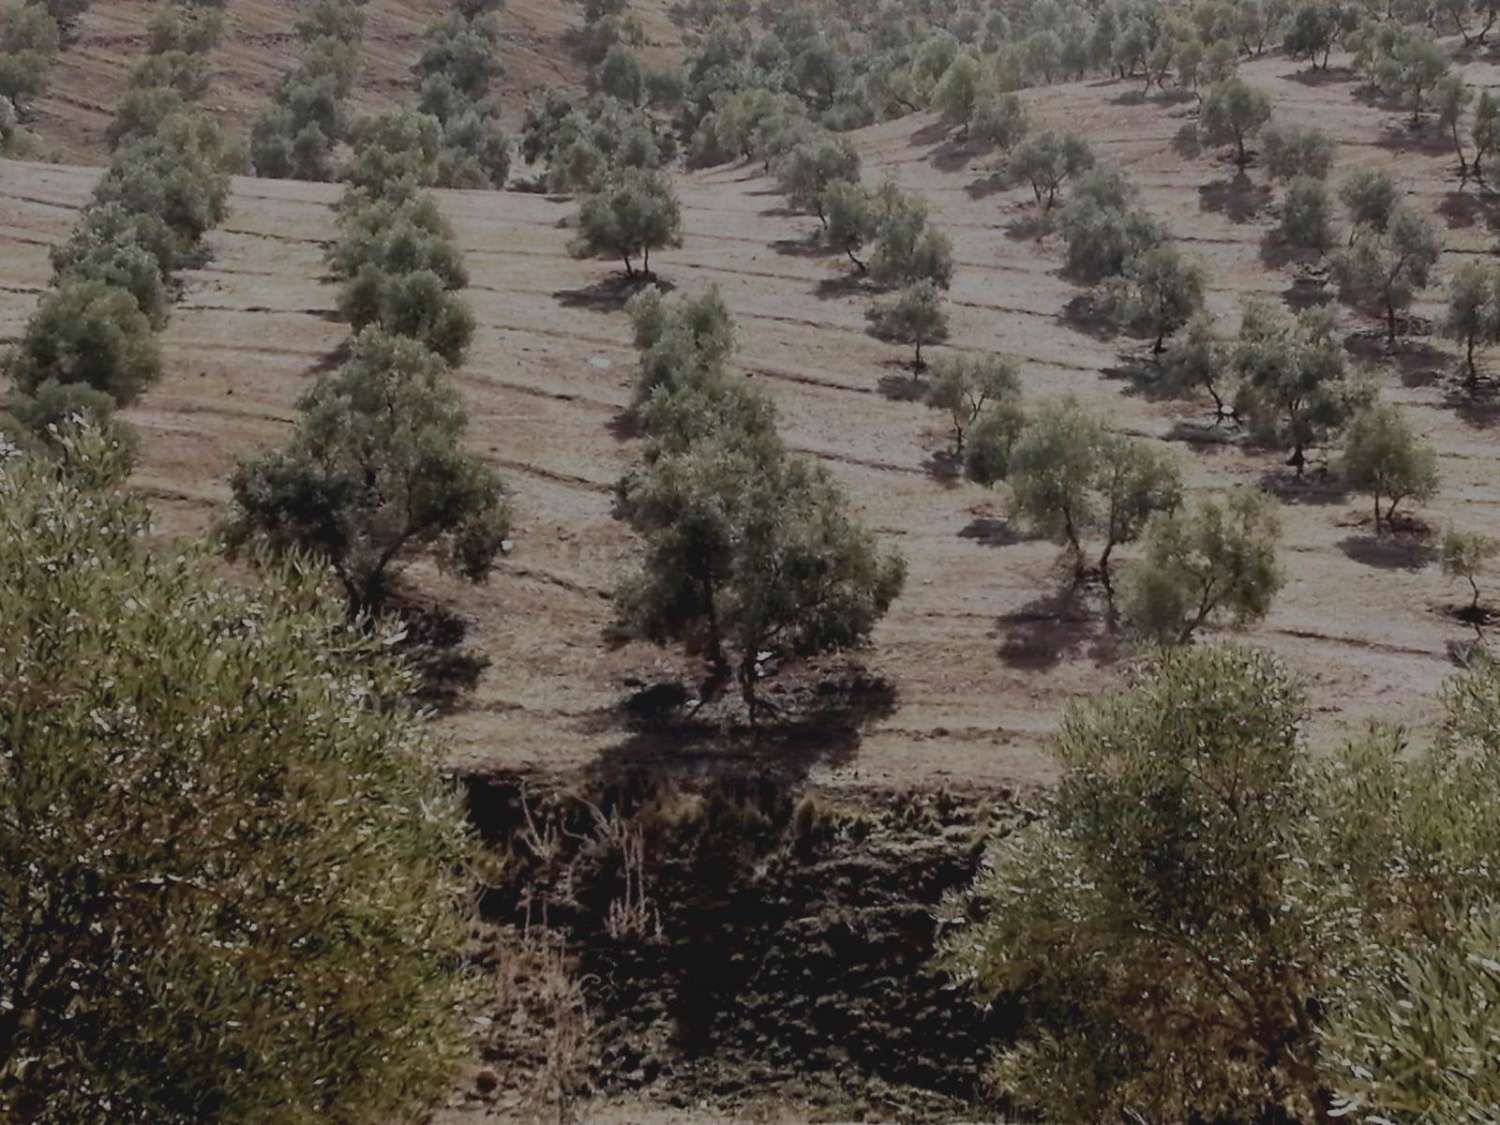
[[259, 46], [982, 659]]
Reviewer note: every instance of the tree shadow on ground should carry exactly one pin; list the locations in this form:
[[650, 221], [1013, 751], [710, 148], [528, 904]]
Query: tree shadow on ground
[[1316, 487], [609, 294], [1403, 138], [984, 187], [1391, 552], [625, 425], [991, 531], [1031, 227], [334, 358], [1052, 628], [1464, 209], [810, 247], [842, 285], [1239, 200], [1416, 362], [1082, 314], [905, 386], [433, 646], [945, 467], [934, 132], [1479, 408], [816, 718], [953, 155], [1329, 76], [1209, 436]]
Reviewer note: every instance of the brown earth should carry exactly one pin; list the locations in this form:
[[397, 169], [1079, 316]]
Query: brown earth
[[981, 659]]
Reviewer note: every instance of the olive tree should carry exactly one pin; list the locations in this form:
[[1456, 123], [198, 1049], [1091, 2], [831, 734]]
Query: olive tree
[[1047, 160], [28, 44], [1296, 150], [805, 172], [1293, 389], [1474, 312], [1307, 215], [1469, 555], [909, 248], [48, 421], [998, 121], [1485, 130], [1452, 97], [915, 316], [1162, 292], [375, 474], [216, 812], [1200, 363], [852, 218], [1384, 457], [1216, 559], [749, 551], [1370, 197], [1232, 114], [1169, 927], [1071, 478], [635, 213], [966, 389], [89, 332], [1384, 269]]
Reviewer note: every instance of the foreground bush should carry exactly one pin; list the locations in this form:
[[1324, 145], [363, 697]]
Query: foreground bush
[[228, 884], [1165, 927]]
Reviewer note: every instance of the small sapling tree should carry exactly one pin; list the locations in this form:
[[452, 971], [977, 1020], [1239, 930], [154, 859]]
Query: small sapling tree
[[1384, 457], [915, 316]]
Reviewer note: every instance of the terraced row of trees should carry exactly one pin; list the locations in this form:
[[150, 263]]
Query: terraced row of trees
[[91, 345]]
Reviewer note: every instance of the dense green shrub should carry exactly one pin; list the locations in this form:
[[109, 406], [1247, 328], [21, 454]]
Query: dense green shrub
[[88, 332], [123, 263], [1384, 457], [156, 973], [1307, 214]]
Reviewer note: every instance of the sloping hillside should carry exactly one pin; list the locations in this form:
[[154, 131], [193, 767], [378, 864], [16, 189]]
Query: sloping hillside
[[92, 71], [981, 656]]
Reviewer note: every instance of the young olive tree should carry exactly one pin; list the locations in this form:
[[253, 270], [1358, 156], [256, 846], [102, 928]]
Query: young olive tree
[[1307, 215], [998, 121], [915, 316], [1474, 312], [1218, 558], [1370, 197], [1384, 457], [909, 248], [852, 219], [1296, 150], [1469, 555], [1485, 131], [967, 389], [1162, 292], [1200, 363], [1071, 478], [1292, 388], [1047, 160], [1385, 269], [635, 213], [1232, 114], [805, 172], [217, 813], [1452, 97], [375, 474]]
